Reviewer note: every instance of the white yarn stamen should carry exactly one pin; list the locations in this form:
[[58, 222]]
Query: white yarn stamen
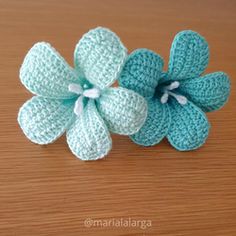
[[92, 93], [172, 86], [181, 99], [167, 92], [78, 108], [164, 98], [75, 88]]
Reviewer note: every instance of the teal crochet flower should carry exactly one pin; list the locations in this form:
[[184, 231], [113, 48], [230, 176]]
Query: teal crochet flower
[[79, 101], [178, 98]]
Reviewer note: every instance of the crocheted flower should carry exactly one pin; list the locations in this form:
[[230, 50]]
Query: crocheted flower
[[79, 100], [178, 98]]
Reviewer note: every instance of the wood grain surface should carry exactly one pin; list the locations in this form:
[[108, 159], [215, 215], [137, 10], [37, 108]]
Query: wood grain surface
[[47, 191]]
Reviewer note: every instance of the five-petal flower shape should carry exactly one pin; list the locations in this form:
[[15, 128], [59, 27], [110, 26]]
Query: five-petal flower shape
[[177, 98], [79, 101]]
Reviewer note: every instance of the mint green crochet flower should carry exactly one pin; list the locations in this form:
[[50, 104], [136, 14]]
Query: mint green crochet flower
[[178, 98], [79, 101]]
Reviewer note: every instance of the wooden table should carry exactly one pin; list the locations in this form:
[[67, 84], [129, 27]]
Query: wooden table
[[47, 191]]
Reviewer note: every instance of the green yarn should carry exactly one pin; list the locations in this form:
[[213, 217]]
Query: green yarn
[[189, 126], [45, 73], [99, 57], [88, 136], [122, 117], [156, 125], [176, 98], [189, 55], [150, 104], [209, 92], [43, 120], [141, 72]]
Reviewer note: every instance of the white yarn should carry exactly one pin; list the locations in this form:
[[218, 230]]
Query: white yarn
[[172, 86], [75, 88], [167, 92], [78, 108], [92, 93]]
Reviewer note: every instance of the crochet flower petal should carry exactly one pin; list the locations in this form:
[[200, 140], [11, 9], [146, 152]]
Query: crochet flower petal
[[88, 137], [189, 126], [123, 110], [156, 125], [44, 72], [100, 56], [44, 120], [141, 72], [188, 56], [209, 92]]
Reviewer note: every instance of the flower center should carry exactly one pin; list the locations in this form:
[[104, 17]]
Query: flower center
[[91, 93], [167, 93]]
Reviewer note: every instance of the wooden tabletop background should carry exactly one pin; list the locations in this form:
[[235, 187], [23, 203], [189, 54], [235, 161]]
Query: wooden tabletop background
[[47, 191]]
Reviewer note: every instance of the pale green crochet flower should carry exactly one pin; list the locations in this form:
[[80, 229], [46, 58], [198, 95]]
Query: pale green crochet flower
[[78, 100]]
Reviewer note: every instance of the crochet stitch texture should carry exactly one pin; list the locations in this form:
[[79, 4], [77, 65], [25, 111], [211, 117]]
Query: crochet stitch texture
[[177, 98], [79, 101]]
